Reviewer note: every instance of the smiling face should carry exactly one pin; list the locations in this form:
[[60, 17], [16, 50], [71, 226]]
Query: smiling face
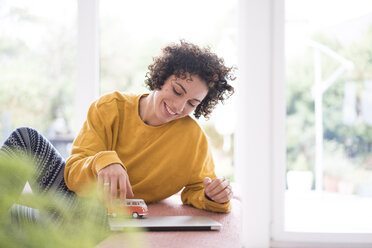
[[177, 98]]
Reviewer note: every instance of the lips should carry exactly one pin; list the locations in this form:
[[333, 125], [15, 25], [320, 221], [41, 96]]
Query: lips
[[169, 111]]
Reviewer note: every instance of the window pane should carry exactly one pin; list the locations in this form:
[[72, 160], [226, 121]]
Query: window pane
[[37, 65], [329, 116], [133, 32]]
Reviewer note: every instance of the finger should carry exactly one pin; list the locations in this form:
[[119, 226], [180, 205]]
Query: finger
[[215, 194], [106, 190], [217, 187], [113, 190], [222, 198], [123, 188], [208, 186], [206, 181], [216, 181], [100, 182], [129, 189], [100, 186], [224, 195]]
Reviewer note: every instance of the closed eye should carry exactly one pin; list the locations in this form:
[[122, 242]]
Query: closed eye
[[176, 92], [192, 105]]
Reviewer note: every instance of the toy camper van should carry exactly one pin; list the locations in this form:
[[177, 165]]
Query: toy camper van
[[137, 208]]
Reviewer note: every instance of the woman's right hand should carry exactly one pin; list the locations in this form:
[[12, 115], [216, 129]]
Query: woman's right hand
[[114, 178]]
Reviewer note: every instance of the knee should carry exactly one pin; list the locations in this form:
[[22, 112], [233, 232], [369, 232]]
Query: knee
[[24, 131], [22, 136]]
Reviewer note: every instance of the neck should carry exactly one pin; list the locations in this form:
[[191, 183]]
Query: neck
[[146, 112]]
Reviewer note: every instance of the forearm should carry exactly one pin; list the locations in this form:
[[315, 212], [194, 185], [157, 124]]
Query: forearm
[[82, 169]]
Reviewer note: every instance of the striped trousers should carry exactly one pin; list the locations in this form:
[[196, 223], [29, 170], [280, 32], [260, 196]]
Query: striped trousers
[[49, 172]]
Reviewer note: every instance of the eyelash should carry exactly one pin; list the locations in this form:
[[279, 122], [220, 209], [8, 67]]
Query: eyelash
[[175, 92], [178, 94]]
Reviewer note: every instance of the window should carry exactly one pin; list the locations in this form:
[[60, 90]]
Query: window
[[37, 66], [329, 127], [327, 76]]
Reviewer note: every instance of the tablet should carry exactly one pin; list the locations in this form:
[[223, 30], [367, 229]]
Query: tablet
[[166, 223]]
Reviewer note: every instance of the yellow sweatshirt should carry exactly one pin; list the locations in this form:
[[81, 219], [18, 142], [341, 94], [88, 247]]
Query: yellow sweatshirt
[[160, 161]]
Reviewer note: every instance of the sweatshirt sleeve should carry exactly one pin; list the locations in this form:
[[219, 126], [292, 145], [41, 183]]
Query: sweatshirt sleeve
[[193, 193], [94, 147]]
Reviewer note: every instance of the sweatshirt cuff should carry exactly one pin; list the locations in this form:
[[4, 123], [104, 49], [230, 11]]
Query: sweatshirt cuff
[[104, 159], [217, 207]]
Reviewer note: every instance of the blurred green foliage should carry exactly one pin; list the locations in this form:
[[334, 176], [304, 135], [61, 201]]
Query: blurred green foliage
[[353, 142], [81, 226], [83, 223]]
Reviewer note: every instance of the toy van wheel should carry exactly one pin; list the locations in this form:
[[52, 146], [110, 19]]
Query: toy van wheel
[[135, 215]]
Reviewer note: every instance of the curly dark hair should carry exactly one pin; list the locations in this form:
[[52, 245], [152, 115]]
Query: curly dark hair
[[186, 58]]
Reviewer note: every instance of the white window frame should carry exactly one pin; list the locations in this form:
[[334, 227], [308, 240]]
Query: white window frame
[[253, 131], [260, 138], [87, 85]]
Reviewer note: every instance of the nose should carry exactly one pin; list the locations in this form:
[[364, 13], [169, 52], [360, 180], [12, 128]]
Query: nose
[[179, 106]]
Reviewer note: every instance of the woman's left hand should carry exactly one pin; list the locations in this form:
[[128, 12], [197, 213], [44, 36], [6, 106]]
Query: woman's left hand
[[218, 189]]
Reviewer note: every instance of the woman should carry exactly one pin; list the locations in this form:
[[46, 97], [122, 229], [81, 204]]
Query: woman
[[145, 146]]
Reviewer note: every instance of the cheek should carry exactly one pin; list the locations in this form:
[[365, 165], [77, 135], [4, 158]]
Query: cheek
[[167, 92], [164, 95], [188, 110]]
